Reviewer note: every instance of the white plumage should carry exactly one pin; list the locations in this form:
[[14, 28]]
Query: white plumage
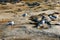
[[11, 23]]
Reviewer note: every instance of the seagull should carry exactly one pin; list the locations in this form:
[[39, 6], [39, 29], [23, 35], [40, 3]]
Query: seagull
[[24, 15], [10, 23], [52, 17], [39, 23], [43, 21]]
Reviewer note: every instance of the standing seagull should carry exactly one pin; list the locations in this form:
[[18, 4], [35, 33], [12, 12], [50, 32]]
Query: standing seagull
[[42, 23]]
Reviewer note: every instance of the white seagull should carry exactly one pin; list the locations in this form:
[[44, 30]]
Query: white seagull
[[11, 23]]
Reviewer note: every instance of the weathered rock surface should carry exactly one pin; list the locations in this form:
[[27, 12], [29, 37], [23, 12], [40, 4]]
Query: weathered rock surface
[[22, 30]]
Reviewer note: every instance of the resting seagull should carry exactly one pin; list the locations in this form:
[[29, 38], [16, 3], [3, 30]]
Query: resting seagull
[[10, 23], [52, 17]]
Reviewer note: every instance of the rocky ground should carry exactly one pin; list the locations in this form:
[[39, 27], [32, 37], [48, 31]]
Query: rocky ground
[[22, 29]]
